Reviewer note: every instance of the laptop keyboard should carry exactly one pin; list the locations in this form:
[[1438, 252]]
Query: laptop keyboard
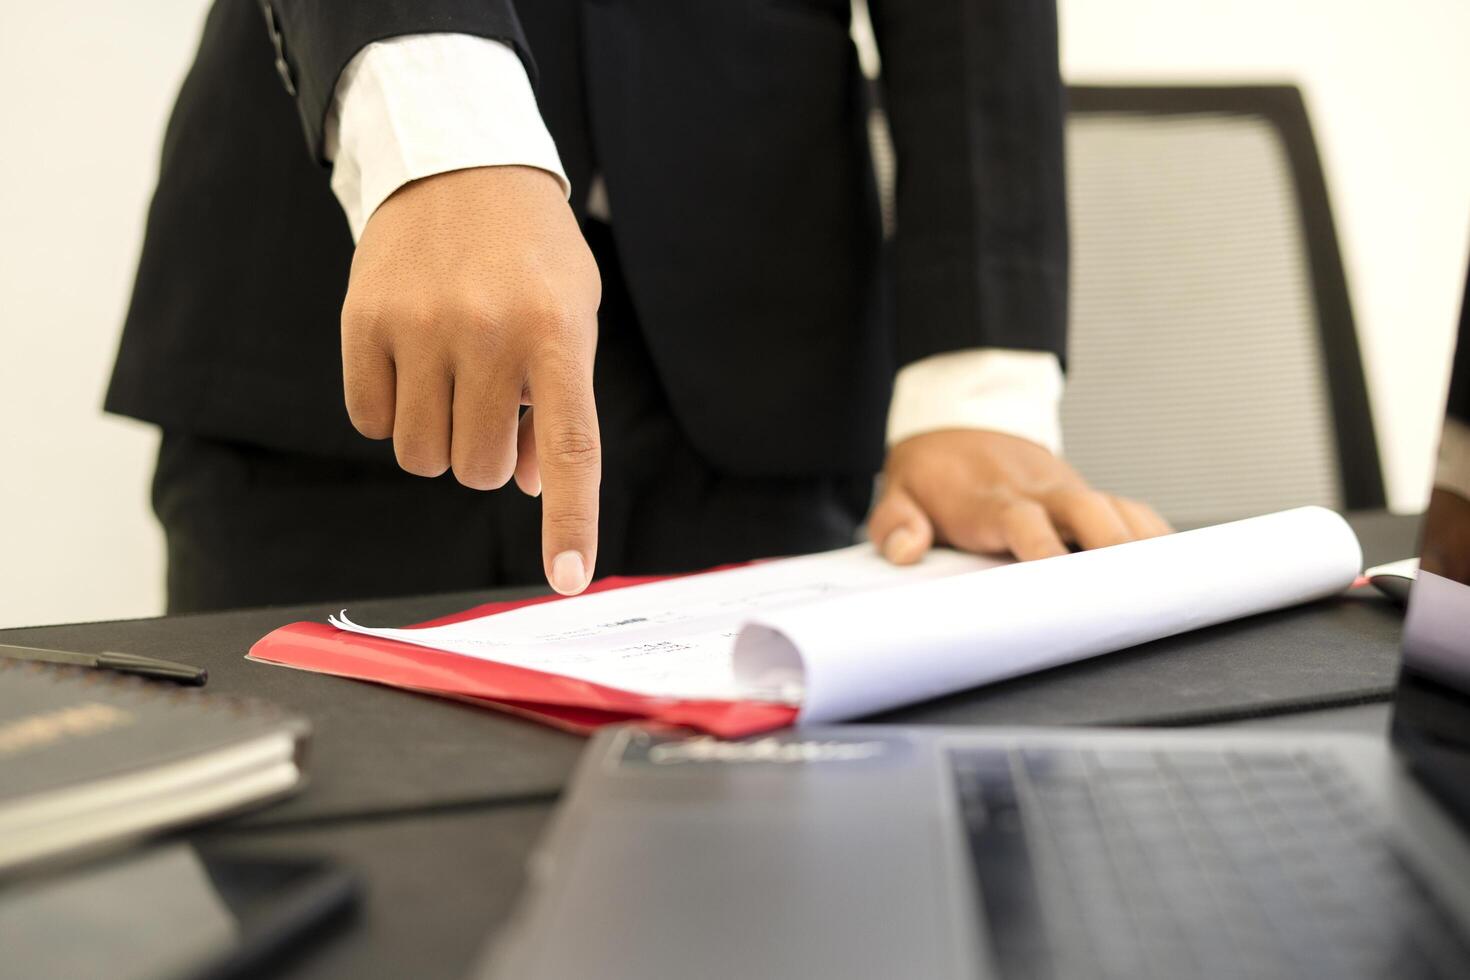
[[1127, 863]]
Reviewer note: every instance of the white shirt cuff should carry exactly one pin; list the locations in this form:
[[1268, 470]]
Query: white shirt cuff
[[1012, 391], [423, 104]]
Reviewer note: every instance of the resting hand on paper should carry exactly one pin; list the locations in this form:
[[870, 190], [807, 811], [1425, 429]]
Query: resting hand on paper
[[473, 293], [993, 493]]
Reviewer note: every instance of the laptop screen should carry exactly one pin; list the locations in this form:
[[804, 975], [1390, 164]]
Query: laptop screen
[[1431, 724]]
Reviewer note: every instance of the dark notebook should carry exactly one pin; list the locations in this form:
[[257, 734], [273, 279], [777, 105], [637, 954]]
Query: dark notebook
[[89, 758]]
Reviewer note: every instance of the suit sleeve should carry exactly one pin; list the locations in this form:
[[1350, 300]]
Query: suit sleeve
[[975, 102], [315, 39]]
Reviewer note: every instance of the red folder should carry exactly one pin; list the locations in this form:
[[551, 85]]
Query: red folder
[[564, 702]]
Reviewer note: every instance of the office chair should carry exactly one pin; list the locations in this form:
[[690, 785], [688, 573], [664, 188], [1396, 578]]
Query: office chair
[[1213, 368]]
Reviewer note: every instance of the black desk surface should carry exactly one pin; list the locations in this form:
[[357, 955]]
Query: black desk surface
[[437, 803]]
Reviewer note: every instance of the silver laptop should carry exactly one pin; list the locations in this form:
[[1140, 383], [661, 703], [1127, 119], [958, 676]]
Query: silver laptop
[[856, 852]]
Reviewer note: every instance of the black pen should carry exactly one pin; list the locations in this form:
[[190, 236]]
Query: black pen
[[125, 663]]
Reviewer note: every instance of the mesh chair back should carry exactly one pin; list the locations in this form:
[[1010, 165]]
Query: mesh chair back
[[1213, 368]]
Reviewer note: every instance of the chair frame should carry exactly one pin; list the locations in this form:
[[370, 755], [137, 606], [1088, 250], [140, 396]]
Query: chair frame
[[1360, 472]]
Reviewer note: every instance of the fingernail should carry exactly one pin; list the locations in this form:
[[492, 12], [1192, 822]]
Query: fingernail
[[899, 544], [568, 573]]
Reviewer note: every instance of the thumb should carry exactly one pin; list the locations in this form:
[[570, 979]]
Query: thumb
[[899, 526]]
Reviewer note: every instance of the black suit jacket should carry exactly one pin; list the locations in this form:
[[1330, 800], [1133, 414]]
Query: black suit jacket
[[731, 135]]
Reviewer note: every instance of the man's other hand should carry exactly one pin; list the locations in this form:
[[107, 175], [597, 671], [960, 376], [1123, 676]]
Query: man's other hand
[[473, 293], [995, 493]]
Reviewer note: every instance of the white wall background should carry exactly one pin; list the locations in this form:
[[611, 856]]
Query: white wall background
[[87, 87], [1388, 89]]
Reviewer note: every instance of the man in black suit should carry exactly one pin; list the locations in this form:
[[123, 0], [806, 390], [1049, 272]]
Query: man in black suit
[[711, 329]]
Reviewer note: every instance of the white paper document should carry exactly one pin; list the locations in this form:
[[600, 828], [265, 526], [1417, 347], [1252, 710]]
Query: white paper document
[[922, 641], [844, 634], [672, 638]]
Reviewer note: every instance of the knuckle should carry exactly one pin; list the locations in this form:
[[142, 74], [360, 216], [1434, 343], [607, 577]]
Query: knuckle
[[541, 305], [1022, 511], [545, 305], [366, 363], [481, 463], [567, 523], [572, 443], [565, 323], [420, 324], [366, 366], [480, 353], [560, 330], [426, 316], [477, 318], [363, 317], [470, 334], [542, 328], [1072, 498], [389, 329], [559, 357]]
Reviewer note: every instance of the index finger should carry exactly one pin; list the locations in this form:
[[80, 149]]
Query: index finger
[[569, 450]]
